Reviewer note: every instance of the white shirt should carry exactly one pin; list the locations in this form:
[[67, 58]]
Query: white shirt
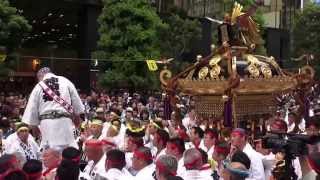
[[195, 175], [145, 173], [93, 169], [54, 132], [119, 139], [105, 128], [181, 169], [209, 151], [116, 174], [256, 166], [32, 150], [206, 171], [268, 163], [186, 122], [190, 145], [302, 125], [84, 176], [13, 137], [129, 156]]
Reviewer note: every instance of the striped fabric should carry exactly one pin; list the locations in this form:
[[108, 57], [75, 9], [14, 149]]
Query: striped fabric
[[56, 98]]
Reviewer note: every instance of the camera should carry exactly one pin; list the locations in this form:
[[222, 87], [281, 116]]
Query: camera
[[291, 144]]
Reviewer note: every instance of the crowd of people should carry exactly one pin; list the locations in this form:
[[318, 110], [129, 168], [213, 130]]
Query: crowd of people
[[126, 135]]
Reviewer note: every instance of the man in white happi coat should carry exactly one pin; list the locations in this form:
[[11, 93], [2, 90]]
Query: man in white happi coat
[[196, 135], [193, 163], [166, 167], [107, 123], [96, 126], [175, 147], [115, 166], [96, 156], [55, 119], [209, 140], [142, 162], [133, 141], [239, 142], [160, 140], [22, 144], [51, 159]]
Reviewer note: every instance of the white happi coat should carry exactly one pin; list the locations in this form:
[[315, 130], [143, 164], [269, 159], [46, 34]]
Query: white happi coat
[[13, 137], [181, 168], [208, 151], [92, 170], [256, 166], [195, 175], [31, 150], [116, 174], [118, 139], [145, 173], [54, 132], [105, 128], [206, 171]]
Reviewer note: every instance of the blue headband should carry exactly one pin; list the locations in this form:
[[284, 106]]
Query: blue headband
[[239, 172]]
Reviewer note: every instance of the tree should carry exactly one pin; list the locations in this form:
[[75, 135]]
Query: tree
[[306, 37], [128, 32], [12, 26], [180, 36], [306, 30]]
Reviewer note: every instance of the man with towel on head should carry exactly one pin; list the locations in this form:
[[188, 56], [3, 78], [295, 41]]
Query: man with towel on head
[[96, 156]]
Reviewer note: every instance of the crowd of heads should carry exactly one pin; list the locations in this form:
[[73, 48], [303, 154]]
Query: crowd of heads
[[141, 119]]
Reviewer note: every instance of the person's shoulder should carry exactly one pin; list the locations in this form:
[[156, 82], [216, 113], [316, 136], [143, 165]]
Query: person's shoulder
[[63, 78], [88, 167], [37, 87], [252, 153], [11, 137], [65, 81], [31, 140]]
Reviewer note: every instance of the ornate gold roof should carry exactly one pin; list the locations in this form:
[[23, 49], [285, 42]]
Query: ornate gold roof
[[234, 72], [258, 75]]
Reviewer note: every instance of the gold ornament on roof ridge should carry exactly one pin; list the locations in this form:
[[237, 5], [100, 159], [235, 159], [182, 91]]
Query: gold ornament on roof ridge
[[215, 72], [203, 73]]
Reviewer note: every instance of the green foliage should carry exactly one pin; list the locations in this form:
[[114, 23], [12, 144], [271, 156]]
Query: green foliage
[[12, 29], [306, 31], [306, 37], [180, 35], [128, 31], [12, 26]]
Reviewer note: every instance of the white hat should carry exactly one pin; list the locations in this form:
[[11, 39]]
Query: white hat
[[129, 109]]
